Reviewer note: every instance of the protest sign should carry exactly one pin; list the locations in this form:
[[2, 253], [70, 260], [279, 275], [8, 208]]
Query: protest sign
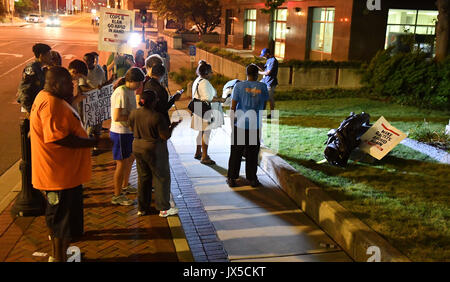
[[380, 139], [114, 31], [97, 105]]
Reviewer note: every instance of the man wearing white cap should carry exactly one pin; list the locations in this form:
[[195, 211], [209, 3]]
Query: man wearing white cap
[[270, 73]]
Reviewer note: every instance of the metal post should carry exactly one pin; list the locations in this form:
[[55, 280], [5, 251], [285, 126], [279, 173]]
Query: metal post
[[29, 202]]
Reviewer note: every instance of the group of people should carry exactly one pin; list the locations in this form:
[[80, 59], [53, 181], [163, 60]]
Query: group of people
[[247, 99], [52, 97]]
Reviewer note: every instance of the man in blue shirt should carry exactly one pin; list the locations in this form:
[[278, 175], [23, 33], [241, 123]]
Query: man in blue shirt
[[270, 73], [248, 101]]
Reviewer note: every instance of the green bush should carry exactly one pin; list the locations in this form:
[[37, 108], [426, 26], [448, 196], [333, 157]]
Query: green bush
[[409, 79], [321, 64], [229, 55], [185, 75]]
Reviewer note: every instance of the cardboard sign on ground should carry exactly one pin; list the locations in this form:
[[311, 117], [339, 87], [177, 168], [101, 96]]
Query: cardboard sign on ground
[[97, 105], [114, 31], [380, 139]]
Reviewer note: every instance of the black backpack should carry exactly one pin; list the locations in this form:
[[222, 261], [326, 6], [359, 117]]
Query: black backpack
[[343, 140]]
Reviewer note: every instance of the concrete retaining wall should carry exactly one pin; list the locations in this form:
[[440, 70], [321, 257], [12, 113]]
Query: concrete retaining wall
[[289, 77], [173, 41], [349, 232]]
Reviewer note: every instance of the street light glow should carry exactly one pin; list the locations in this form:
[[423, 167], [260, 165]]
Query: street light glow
[[134, 39]]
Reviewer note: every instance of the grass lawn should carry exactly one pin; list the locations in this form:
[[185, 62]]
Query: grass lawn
[[404, 197]]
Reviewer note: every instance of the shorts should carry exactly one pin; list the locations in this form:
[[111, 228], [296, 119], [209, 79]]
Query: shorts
[[271, 91], [64, 213], [122, 145]]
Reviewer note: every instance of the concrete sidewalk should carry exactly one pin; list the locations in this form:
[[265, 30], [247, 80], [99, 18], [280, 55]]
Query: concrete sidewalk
[[251, 224]]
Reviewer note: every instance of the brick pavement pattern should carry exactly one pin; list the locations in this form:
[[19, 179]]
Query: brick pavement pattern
[[112, 233]]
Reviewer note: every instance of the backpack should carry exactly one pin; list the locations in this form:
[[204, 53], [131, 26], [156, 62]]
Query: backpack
[[343, 140]]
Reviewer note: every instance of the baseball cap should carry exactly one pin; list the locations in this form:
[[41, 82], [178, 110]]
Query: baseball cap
[[264, 52]]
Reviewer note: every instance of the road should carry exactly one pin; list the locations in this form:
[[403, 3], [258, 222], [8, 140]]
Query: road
[[72, 40]]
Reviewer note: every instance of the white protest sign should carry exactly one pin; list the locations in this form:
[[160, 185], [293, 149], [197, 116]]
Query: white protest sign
[[97, 105], [380, 139], [114, 30]]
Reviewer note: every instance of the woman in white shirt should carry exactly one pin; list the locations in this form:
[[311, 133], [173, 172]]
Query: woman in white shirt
[[204, 91]]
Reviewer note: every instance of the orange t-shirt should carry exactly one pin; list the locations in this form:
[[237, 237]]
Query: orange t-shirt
[[55, 167]]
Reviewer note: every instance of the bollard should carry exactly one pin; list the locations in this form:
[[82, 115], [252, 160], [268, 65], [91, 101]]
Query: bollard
[[29, 202]]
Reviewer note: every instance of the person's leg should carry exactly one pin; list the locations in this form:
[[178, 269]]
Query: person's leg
[[144, 183], [118, 177], [272, 98], [128, 164], [161, 180], [205, 142], [251, 162], [198, 140], [236, 152]]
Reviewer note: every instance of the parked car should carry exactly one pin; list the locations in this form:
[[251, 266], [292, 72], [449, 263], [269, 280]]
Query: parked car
[[33, 18], [53, 21]]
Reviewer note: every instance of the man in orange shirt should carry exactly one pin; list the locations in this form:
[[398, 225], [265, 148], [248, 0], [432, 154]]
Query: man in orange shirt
[[61, 158]]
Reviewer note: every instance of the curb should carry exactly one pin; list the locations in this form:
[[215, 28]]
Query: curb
[[357, 239]]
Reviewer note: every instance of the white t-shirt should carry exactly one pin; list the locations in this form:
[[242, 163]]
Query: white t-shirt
[[205, 91], [125, 99], [96, 77]]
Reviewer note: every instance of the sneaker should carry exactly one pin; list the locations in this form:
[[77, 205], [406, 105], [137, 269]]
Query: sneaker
[[51, 259], [231, 182], [129, 190], [141, 213], [122, 200], [171, 211]]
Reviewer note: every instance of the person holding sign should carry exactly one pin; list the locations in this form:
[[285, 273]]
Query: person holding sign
[[123, 101], [61, 160]]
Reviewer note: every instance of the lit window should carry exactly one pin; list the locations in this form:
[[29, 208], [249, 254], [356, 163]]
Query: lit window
[[322, 30], [250, 28], [420, 25], [279, 31]]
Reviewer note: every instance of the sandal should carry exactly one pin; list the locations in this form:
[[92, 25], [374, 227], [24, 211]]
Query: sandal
[[208, 161], [198, 156]]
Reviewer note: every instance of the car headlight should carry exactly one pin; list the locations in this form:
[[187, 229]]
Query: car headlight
[[27, 18], [48, 21], [56, 22]]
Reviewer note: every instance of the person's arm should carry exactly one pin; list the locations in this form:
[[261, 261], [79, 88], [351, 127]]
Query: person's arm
[[165, 132], [119, 116], [28, 88], [72, 141]]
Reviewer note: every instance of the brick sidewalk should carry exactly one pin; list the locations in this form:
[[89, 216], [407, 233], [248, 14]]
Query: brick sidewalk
[[112, 233]]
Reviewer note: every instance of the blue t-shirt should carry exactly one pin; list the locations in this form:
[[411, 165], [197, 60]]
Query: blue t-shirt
[[251, 97], [271, 79]]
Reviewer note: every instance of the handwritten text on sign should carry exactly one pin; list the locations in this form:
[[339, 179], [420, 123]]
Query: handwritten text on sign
[[380, 139], [97, 105], [115, 28]]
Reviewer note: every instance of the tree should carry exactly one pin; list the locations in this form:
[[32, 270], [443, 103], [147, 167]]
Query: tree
[[443, 30], [24, 6], [205, 14], [172, 10]]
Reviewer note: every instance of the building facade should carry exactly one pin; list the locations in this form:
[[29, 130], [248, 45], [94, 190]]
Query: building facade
[[339, 30]]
